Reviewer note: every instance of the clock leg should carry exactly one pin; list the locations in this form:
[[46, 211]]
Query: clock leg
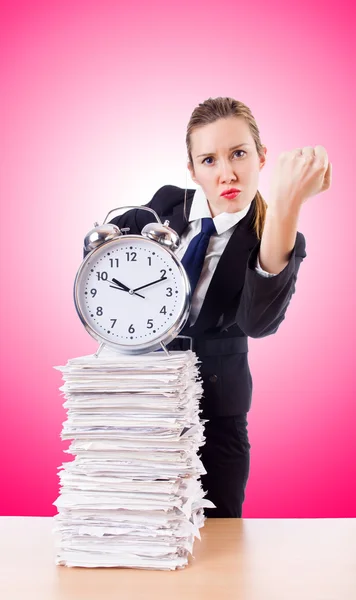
[[187, 337], [99, 350], [164, 348]]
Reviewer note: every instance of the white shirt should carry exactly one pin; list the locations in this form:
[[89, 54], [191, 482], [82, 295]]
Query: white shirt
[[225, 224]]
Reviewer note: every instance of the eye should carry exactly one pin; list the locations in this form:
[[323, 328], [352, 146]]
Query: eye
[[203, 161], [240, 151]]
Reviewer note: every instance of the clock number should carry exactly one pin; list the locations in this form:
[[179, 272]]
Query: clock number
[[133, 256], [149, 261], [114, 321], [163, 273], [99, 311], [149, 323], [170, 291], [131, 329], [102, 275], [93, 292], [112, 262], [163, 310]]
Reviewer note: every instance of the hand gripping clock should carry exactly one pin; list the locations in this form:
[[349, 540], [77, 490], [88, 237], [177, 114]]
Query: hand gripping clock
[[131, 292]]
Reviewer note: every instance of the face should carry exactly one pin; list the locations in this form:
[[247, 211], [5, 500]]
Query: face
[[224, 157]]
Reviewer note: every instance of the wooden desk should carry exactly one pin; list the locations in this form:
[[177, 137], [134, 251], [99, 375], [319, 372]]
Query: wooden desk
[[239, 559]]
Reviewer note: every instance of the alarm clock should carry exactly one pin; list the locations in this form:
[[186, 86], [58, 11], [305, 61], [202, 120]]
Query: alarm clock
[[131, 292]]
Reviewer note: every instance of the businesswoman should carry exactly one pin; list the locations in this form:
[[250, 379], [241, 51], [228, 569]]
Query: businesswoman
[[242, 258]]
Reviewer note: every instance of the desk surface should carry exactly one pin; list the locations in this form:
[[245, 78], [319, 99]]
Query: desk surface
[[239, 559]]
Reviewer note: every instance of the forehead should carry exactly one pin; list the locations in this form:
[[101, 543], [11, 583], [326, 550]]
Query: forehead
[[221, 135]]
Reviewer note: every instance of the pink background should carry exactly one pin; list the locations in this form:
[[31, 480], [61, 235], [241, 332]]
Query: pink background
[[95, 100]]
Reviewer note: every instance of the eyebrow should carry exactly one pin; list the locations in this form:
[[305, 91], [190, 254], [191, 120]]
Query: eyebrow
[[230, 149]]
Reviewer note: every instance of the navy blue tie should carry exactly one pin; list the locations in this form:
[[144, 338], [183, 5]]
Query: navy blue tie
[[193, 258]]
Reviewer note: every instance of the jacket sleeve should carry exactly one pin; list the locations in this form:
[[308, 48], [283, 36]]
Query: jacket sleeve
[[135, 219], [264, 300]]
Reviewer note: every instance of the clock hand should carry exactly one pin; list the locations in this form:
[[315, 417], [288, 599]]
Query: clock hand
[[121, 284], [147, 284], [124, 288]]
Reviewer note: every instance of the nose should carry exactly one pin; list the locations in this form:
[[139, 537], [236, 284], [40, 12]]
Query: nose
[[227, 173]]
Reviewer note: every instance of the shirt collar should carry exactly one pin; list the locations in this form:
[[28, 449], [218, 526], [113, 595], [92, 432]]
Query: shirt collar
[[200, 209]]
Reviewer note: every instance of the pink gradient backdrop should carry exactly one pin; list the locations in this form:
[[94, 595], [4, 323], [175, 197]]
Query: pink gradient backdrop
[[94, 104]]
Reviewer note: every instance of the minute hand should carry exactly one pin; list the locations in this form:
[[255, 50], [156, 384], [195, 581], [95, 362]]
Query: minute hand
[[147, 284]]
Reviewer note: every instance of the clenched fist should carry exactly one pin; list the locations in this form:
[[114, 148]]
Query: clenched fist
[[299, 174]]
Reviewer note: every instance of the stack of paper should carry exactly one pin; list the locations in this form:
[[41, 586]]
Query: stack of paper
[[132, 497]]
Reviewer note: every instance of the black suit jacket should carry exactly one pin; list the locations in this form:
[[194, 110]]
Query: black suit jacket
[[251, 305]]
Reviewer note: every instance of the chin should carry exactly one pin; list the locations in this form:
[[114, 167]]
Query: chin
[[228, 206], [231, 206]]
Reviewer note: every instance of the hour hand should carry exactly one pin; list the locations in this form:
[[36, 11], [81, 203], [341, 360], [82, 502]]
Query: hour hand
[[121, 284], [124, 287]]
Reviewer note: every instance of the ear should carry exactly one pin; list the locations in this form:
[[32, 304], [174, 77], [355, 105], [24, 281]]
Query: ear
[[191, 171], [263, 158]]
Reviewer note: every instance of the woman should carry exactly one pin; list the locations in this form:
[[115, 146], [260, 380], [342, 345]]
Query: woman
[[247, 272]]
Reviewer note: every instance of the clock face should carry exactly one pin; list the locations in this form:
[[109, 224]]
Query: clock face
[[132, 292]]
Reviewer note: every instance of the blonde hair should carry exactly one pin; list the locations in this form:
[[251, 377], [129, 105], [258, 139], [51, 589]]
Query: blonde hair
[[220, 108]]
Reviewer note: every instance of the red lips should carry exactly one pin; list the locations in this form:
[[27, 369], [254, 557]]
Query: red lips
[[230, 191]]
